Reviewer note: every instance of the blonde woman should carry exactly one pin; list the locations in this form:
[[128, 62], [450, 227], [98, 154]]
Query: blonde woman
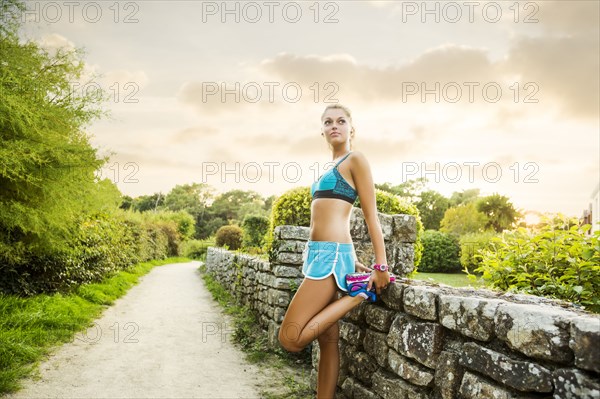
[[329, 254]]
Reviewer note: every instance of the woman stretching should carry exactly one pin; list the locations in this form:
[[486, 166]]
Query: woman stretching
[[329, 254]]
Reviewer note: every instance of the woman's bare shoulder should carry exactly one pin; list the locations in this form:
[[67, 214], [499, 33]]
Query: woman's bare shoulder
[[359, 158]]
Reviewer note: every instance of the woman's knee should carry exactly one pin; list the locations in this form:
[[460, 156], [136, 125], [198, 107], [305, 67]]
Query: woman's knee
[[288, 344], [288, 336]]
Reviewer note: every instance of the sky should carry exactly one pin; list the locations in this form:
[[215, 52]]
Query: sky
[[502, 96]]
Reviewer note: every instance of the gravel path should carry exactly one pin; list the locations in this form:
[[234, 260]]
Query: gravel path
[[166, 338]]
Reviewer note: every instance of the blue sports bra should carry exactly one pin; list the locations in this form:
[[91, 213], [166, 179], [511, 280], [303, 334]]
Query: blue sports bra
[[333, 185]]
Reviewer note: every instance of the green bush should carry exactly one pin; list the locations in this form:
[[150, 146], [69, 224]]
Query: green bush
[[196, 249], [159, 243], [255, 228], [140, 238], [555, 262], [103, 244], [101, 248], [184, 222], [160, 232], [290, 208], [156, 237], [229, 235], [440, 253], [169, 229], [472, 244]]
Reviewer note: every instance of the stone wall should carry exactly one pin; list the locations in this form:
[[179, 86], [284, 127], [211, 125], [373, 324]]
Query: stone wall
[[426, 341], [421, 340]]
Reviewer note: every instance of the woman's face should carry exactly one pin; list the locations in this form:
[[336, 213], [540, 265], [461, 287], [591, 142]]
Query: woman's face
[[336, 126]]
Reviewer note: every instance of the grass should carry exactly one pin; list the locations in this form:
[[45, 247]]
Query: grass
[[290, 371], [30, 327], [451, 279]]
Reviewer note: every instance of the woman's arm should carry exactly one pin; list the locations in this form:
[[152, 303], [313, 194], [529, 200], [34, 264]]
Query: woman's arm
[[363, 180]]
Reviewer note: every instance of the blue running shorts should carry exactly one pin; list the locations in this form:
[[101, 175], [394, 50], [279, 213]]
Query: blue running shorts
[[324, 258]]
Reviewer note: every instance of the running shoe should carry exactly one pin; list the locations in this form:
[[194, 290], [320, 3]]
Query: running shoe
[[360, 288]]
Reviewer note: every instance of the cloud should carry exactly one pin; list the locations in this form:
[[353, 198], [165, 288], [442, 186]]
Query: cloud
[[119, 82], [341, 76], [54, 41], [379, 3], [267, 140], [447, 63], [192, 134], [572, 17], [564, 68], [124, 77], [311, 68], [561, 60], [217, 96], [143, 160]]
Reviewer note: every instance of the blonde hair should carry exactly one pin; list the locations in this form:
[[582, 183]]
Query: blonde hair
[[346, 111]]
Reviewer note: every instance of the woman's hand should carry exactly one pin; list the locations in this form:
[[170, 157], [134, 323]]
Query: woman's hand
[[380, 280], [359, 267]]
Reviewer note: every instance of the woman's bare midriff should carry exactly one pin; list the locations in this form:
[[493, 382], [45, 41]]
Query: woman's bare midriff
[[330, 220]]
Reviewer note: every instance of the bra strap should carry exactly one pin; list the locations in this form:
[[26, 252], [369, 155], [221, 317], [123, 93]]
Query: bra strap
[[340, 161]]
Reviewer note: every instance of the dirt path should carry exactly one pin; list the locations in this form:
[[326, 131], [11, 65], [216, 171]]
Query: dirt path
[[166, 338]]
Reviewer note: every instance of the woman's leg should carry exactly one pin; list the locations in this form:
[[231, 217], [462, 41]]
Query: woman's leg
[[312, 311], [329, 360]]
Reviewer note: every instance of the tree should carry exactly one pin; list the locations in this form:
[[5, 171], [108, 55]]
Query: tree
[[255, 228], [463, 219], [126, 202], [464, 197], [500, 212], [230, 204], [11, 11], [255, 207], [432, 206], [145, 203], [210, 227], [269, 203], [47, 164], [409, 189], [192, 198]]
